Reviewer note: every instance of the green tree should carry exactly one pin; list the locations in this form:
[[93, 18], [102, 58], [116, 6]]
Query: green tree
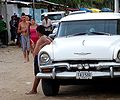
[[105, 3], [86, 3], [70, 3]]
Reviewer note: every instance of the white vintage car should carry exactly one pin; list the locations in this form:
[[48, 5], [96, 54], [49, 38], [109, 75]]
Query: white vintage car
[[86, 47]]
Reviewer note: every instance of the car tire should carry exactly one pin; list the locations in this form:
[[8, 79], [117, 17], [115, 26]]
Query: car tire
[[50, 87]]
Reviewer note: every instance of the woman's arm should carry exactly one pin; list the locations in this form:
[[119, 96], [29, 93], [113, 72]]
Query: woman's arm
[[40, 44], [50, 39]]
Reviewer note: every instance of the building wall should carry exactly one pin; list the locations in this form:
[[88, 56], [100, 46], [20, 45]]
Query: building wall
[[25, 10], [38, 13], [29, 11], [7, 13]]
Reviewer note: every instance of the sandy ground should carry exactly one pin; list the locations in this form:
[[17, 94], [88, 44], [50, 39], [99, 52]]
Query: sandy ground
[[16, 77]]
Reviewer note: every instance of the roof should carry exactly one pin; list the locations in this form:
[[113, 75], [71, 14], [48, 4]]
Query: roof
[[91, 16], [20, 2], [31, 2], [51, 3]]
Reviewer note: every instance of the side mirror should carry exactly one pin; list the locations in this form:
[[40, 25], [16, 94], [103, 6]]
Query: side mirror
[[52, 36]]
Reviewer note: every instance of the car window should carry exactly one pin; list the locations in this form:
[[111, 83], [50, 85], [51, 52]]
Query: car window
[[53, 16], [73, 27]]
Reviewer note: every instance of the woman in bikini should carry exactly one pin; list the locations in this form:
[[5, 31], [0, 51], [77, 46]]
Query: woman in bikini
[[33, 34]]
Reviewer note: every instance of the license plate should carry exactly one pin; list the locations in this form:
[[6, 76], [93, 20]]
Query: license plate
[[83, 75]]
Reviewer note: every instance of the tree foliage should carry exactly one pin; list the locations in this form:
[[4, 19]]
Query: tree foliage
[[86, 3], [70, 3]]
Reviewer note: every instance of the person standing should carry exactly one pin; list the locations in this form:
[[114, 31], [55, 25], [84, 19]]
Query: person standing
[[42, 41], [13, 27], [33, 34], [18, 42], [3, 32], [23, 29], [47, 23]]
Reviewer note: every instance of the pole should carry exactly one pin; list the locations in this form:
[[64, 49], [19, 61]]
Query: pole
[[7, 23], [33, 7], [116, 6], [91, 3], [0, 6], [6, 14]]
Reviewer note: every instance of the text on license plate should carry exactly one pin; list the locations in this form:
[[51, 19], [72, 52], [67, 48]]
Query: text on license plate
[[83, 75]]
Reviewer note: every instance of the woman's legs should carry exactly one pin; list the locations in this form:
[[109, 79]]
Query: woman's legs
[[36, 79], [34, 87]]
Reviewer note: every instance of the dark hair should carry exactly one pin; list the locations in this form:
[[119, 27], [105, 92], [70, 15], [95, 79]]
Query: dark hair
[[23, 14], [41, 29], [29, 17]]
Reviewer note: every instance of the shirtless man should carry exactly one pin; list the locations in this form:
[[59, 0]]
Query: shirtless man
[[23, 28]]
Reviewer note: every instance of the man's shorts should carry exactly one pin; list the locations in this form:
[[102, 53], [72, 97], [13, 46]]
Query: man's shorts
[[25, 40]]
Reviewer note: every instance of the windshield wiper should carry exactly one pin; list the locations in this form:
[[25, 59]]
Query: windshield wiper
[[76, 34], [100, 33]]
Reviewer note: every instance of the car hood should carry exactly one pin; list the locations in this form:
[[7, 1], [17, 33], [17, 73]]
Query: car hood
[[84, 47]]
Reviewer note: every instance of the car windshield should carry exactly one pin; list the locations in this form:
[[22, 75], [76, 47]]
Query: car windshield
[[53, 16], [89, 27]]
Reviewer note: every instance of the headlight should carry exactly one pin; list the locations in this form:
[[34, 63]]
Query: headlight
[[118, 56], [44, 59]]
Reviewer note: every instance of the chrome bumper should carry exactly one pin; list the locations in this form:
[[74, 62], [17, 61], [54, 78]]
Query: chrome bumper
[[72, 75]]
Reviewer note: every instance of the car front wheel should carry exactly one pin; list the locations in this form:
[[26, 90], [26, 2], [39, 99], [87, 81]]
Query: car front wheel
[[50, 87]]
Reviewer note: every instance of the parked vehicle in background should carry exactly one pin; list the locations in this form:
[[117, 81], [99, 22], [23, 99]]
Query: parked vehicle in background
[[95, 10], [87, 47], [54, 16], [106, 10], [85, 9]]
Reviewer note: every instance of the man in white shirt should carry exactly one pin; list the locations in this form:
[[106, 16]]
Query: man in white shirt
[[47, 23]]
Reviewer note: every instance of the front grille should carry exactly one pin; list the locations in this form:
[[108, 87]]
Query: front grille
[[74, 69], [83, 61], [61, 69], [117, 69]]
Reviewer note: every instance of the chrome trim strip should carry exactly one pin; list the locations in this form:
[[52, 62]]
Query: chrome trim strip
[[68, 66], [55, 65]]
